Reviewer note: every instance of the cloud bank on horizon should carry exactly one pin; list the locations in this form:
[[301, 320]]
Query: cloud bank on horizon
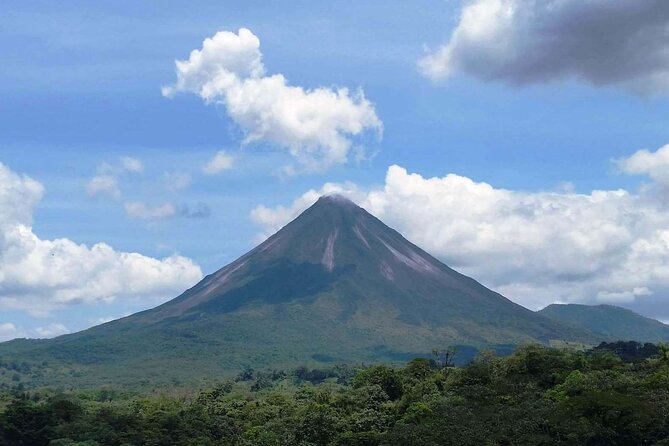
[[537, 248], [520, 42], [39, 276], [315, 126]]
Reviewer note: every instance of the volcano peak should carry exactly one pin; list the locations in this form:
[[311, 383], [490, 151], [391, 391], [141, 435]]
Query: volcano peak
[[336, 198], [336, 282]]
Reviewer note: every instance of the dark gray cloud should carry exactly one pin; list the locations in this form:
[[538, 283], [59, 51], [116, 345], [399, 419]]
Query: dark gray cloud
[[601, 42]]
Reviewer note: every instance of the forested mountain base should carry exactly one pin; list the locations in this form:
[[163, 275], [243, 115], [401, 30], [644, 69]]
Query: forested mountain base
[[616, 394]]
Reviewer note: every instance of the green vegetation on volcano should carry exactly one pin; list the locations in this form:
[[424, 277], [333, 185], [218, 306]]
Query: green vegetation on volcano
[[610, 321]]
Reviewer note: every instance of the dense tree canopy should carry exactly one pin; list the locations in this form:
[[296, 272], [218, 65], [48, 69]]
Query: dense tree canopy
[[615, 394]]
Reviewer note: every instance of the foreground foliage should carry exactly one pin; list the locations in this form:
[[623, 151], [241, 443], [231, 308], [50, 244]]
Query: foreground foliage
[[617, 394]]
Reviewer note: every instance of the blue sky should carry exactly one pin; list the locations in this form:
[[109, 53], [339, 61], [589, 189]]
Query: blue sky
[[81, 87]]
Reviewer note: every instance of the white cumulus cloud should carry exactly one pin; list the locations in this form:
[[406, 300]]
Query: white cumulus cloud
[[38, 275], [535, 247], [601, 42], [220, 162], [644, 162], [316, 126]]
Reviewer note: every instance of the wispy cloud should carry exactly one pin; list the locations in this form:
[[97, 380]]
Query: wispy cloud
[[106, 181], [176, 181], [130, 164], [7, 331], [52, 330], [220, 162], [141, 211], [103, 184]]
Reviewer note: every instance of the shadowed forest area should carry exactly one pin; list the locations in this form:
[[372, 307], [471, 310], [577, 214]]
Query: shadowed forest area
[[614, 394]]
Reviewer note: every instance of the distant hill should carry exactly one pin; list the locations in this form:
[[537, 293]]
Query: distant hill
[[615, 322], [334, 285]]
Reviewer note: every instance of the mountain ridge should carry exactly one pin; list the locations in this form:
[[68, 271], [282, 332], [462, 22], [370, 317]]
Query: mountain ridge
[[609, 320]]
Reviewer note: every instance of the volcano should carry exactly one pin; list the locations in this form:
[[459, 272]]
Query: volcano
[[335, 285]]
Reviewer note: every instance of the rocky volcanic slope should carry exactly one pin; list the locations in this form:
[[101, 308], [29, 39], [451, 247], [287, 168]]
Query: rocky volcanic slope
[[334, 285]]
